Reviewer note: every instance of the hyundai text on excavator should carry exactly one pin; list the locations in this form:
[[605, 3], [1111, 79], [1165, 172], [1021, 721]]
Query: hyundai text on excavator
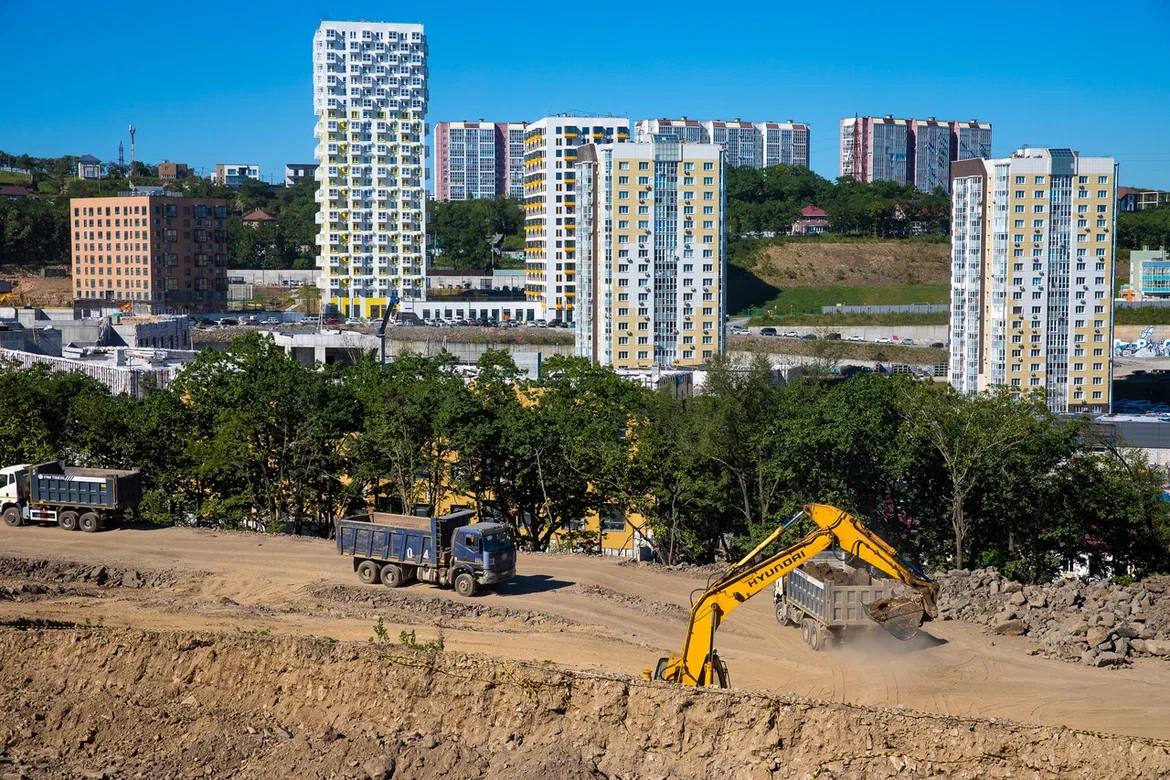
[[699, 664]]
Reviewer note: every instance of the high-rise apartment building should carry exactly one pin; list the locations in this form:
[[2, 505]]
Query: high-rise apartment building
[[370, 99], [651, 267], [751, 145], [465, 161], [690, 131], [479, 160], [783, 143], [510, 160], [918, 152], [550, 160], [740, 141], [1032, 248], [875, 149], [160, 253]]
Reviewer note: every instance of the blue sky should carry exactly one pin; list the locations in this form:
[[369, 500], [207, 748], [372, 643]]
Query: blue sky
[[231, 82]]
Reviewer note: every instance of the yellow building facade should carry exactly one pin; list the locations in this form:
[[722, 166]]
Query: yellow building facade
[[652, 261], [1032, 256]]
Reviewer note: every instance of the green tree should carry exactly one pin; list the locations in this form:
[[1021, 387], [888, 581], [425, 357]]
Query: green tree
[[462, 230], [971, 435], [411, 407], [267, 433]]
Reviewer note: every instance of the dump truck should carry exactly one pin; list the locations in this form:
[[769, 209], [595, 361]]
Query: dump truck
[[827, 598], [73, 497], [446, 550]]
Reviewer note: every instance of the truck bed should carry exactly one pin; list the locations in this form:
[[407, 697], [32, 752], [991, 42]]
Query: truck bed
[[55, 484], [831, 603]]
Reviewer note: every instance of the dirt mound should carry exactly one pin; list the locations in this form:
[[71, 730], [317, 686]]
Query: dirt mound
[[65, 572], [636, 603], [1096, 623], [406, 606], [705, 571], [251, 707]]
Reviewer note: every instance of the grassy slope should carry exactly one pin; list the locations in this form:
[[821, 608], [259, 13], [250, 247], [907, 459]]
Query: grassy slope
[[780, 281]]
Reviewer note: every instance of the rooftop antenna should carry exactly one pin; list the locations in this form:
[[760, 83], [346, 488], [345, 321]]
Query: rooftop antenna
[[130, 174]]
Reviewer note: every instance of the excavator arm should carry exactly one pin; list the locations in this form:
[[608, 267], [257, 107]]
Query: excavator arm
[[699, 664]]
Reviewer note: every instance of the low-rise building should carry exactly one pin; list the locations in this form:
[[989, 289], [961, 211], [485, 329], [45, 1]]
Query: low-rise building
[[811, 222], [173, 171], [1149, 273], [295, 173], [90, 167], [256, 218], [235, 174], [1131, 199]]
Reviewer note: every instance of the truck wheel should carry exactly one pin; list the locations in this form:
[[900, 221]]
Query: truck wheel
[[12, 517], [367, 572], [465, 585], [392, 575], [89, 522], [67, 520], [816, 636]]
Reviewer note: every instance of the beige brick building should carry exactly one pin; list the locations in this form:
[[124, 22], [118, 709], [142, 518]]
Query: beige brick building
[[1032, 252], [651, 256], [160, 253]]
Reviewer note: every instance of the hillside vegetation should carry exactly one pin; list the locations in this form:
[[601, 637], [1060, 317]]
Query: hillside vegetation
[[790, 278]]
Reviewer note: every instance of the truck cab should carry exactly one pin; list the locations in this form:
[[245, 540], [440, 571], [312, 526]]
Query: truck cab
[[8, 484], [486, 550]]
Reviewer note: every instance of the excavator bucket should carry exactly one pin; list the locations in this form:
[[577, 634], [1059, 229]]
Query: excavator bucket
[[900, 615]]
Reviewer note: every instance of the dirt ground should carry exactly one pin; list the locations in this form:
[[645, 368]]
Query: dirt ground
[[577, 613], [34, 290], [854, 263]]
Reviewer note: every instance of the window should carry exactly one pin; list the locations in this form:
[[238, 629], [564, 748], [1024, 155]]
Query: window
[[613, 519]]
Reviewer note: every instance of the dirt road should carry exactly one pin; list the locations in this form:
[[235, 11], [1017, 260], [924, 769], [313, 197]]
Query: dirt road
[[580, 612]]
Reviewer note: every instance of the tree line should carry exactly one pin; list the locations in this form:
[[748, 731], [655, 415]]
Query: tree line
[[250, 438]]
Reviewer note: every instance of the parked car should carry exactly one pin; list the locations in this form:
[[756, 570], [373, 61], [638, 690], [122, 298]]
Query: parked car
[[938, 345], [738, 330], [809, 337], [767, 331], [853, 337], [882, 340], [832, 337], [791, 334], [908, 342]]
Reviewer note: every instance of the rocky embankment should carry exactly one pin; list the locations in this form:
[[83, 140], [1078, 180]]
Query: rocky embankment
[[107, 703], [1096, 623]]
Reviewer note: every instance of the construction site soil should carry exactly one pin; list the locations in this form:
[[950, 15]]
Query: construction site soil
[[194, 653]]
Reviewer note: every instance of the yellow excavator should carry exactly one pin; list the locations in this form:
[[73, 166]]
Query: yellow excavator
[[699, 664]]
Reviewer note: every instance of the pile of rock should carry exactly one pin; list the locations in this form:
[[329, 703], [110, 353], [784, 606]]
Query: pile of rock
[[1096, 623]]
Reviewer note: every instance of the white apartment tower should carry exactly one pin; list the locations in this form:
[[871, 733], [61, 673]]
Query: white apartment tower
[[1032, 250], [370, 99], [651, 267], [783, 143], [690, 131], [550, 214]]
